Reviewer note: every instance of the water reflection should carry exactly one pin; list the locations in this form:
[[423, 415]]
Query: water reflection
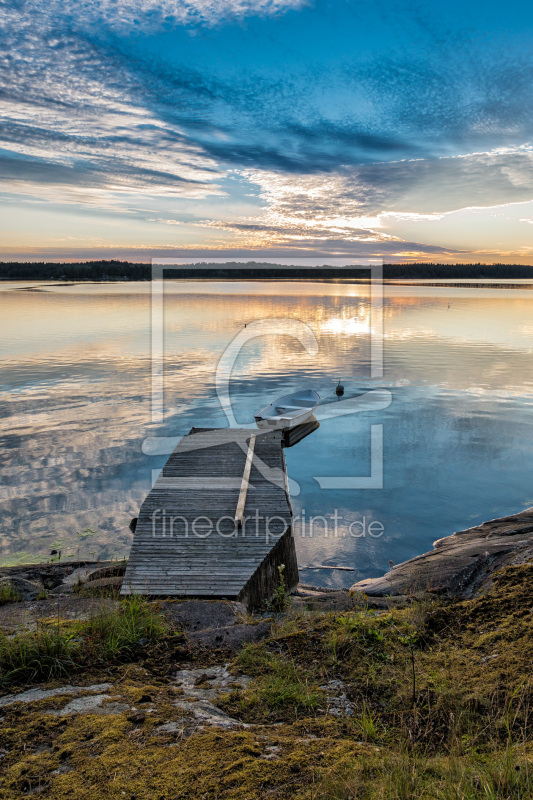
[[75, 386], [292, 436]]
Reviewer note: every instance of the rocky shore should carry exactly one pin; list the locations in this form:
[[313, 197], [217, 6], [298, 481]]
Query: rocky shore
[[417, 684], [460, 565]]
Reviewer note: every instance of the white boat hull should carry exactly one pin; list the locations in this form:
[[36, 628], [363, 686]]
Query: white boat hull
[[283, 422], [289, 411]]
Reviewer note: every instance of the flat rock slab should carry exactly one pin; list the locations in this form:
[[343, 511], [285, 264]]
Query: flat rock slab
[[338, 704], [231, 636], [15, 617], [113, 570], [207, 684], [460, 565], [341, 600], [33, 695], [171, 727], [196, 615], [78, 576], [52, 575], [25, 589], [93, 704], [208, 714]]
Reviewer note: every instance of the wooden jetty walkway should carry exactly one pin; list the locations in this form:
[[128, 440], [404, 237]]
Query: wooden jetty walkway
[[218, 521]]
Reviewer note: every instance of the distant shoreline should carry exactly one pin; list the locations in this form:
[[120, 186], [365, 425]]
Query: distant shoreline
[[114, 271], [467, 283]]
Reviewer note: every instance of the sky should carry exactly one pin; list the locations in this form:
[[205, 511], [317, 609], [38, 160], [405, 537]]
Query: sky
[[142, 129]]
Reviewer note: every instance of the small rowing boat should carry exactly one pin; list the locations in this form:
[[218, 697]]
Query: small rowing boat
[[289, 411]]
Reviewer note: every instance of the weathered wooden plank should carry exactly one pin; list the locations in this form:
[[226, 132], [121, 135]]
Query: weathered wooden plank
[[245, 482], [209, 473]]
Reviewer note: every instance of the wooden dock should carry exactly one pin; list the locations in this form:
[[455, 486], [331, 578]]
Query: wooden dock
[[218, 521]]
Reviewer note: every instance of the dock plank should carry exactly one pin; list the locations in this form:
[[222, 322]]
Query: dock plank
[[218, 521]]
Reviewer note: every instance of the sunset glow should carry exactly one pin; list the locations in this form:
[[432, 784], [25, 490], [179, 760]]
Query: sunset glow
[[267, 128]]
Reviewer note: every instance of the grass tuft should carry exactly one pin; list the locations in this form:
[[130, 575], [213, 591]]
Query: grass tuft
[[117, 633], [8, 594], [279, 683], [57, 649]]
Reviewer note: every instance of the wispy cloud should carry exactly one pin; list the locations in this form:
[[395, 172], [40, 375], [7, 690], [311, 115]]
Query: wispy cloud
[[409, 188], [127, 15], [351, 207], [88, 117], [73, 118]]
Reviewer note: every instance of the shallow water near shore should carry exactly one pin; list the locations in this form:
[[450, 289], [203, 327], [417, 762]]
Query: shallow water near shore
[[80, 448]]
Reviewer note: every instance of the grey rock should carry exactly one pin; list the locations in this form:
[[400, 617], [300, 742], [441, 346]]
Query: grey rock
[[195, 615], [52, 575], [206, 684], [116, 570], [90, 574], [170, 727], [321, 599], [231, 636], [63, 588], [337, 700], [201, 687], [78, 576], [63, 769], [460, 565], [28, 590], [91, 705], [205, 712], [81, 705], [33, 695]]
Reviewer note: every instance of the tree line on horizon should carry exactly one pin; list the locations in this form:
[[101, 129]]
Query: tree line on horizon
[[112, 270]]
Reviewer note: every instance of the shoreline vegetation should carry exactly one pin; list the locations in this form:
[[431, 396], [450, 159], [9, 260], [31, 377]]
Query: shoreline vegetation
[[422, 696], [101, 271], [432, 700]]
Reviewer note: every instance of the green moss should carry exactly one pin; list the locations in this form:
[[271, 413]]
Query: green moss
[[107, 757], [440, 694]]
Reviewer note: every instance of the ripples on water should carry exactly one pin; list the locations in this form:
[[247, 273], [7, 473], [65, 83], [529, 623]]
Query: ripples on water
[[75, 384]]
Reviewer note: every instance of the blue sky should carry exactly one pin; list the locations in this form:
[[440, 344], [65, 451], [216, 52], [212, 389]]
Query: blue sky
[[266, 128]]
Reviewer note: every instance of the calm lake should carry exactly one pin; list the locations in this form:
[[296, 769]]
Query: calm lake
[[80, 448]]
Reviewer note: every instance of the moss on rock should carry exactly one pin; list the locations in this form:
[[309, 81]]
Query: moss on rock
[[436, 701]]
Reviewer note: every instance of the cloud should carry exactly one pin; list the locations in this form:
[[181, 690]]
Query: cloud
[[88, 119], [503, 175], [314, 148], [127, 15], [408, 187], [73, 118], [450, 92], [317, 250], [66, 81], [356, 206]]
